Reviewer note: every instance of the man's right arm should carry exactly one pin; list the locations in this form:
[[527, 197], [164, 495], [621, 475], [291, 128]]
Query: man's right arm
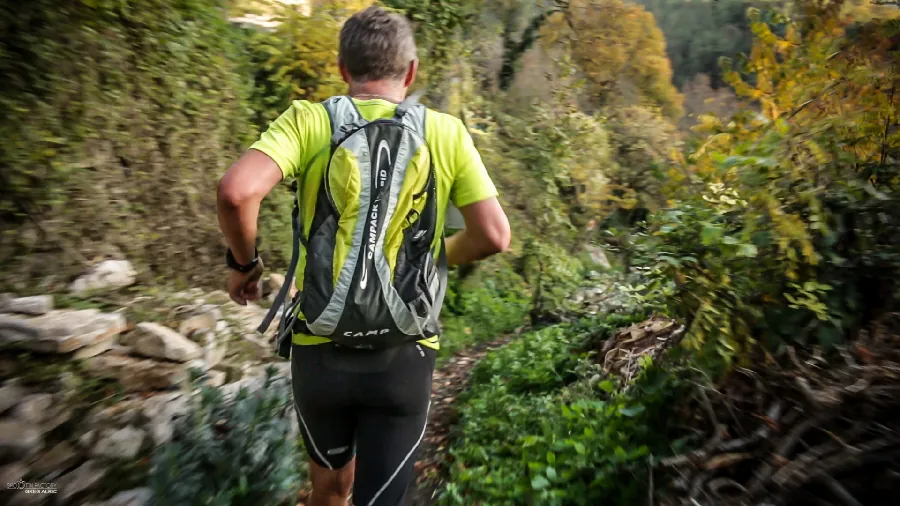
[[487, 227], [487, 233]]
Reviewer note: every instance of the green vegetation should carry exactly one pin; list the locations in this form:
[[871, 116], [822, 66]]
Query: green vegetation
[[782, 224], [118, 119], [568, 437], [232, 451], [774, 227]]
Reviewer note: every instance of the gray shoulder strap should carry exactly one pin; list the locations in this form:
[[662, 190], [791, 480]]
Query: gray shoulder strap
[[344, 117], [412, 113]]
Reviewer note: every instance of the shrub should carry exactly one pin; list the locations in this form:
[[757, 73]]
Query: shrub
[[533, 430], [482, 303], [782, 224], [118, 119], [539, 361], [237, 452]]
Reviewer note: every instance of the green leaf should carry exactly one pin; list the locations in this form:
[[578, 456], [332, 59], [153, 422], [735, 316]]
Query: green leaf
[[607, 386], [747, 250], [551, 473], [551, 458], [829, 335], [539, 483], [710, 234], [631, 411], [579, 448]]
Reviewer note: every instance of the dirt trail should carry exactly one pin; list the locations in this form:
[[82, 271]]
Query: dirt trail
[[449, 381]]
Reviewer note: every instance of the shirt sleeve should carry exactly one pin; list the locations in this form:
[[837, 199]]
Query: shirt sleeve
[[471, 183], [284, 141]]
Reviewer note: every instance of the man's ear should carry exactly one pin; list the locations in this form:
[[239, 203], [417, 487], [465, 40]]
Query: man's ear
[[345, 74], [411, 73]]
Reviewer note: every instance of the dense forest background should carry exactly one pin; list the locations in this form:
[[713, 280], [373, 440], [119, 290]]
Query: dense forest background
[[730, 165]]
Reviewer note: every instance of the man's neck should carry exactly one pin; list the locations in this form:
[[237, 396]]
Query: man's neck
[[387, 90]]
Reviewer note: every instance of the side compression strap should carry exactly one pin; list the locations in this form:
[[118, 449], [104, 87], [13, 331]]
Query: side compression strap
[[288, 315]]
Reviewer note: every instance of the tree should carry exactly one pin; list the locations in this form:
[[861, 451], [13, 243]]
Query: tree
[[699, 33], [298, 60], [784, 223], [620, 50]]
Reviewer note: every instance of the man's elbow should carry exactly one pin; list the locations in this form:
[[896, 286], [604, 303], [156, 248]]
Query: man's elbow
[[497, 241], [229, 194]]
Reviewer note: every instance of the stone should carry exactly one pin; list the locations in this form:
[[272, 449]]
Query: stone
[[598, 256], [127, 412], [245, 318], [203, 319], [135, 497], [258, 341], [61, 331], [161, 411], [137, 375], [42, 411], [35, 305], [34, 408], [86, 440], [198, 364], [275, 282], [214, 348], [59, 458], [156, 341], [10, 395], [12, 473], [57, 415], [251, 384], [18, 440], [119, 444], [106, 275], [232, 372], [94, 350], [216, 379], [86, 477], [191, 293], [218, 297]]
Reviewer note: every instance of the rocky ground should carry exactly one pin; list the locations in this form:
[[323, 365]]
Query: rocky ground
[[87, 393]]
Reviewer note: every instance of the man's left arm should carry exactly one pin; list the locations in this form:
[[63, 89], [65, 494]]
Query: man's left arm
[[240, 193]]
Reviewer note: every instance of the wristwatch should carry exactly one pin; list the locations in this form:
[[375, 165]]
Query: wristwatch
[[242, 268]]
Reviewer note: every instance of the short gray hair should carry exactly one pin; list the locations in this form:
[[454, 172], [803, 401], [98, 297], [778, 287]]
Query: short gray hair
[[377, 44]]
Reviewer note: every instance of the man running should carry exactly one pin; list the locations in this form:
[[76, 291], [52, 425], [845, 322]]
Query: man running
[[362, 412]]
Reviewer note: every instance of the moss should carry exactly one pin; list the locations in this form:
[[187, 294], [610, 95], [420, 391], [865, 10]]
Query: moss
[[119, 118]]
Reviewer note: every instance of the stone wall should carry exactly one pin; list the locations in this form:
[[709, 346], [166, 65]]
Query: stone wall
[[87, 394]]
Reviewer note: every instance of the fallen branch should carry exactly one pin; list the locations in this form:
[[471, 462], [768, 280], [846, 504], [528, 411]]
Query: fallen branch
[[839, 491], [820, 422]]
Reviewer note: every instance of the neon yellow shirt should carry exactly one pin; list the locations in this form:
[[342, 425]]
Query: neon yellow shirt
[[298, 138]]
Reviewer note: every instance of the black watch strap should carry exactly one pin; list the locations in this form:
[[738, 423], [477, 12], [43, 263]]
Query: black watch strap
[[233, 264]]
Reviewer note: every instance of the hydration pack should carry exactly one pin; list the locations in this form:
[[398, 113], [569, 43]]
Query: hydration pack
[[375, 273]]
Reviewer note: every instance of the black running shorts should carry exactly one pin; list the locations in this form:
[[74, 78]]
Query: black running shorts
[[369, 403]]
